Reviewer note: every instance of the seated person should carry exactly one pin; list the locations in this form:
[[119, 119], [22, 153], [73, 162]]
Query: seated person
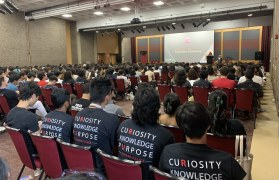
[[11, 96], [223, 81], [113, 108], [192, 76], [58, 123], [127, 81], [13, 82], [179, 79], [221, 125], [81, 76], [42, 77], [20, 118], [171, 103], [84, 101], [150, 73], [143, 129], [202, 82], [194, 159], [51, 83]]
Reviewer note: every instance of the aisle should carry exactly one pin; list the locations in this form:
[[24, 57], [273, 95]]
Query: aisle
[[265, 143]]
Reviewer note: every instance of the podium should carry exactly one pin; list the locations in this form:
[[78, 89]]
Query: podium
[[209, 59]]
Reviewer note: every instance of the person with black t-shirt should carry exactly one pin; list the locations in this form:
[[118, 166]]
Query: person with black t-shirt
[[20, 118], [142, 138], [11, 96], [84, 101], [93, 126], [194, 159], [52, 80], [58, 123]]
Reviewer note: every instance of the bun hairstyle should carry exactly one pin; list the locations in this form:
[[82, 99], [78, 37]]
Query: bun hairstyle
[[171, 103]]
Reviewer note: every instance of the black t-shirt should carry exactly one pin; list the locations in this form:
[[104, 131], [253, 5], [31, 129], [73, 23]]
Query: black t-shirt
[[235, 127], [59, 125], [80, 104], [142, 143], [11, 96], [24, 120], [198, 161], [96, 128]]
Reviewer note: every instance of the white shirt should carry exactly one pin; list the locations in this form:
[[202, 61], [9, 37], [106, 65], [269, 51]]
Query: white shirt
[[256, 79]]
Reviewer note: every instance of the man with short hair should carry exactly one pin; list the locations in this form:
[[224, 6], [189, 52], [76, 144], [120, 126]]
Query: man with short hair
[[223, 81], [150, 73], [202, 82], [93, 126], [13, 82], [11, 96], [42, 77], [84, 101], [51, 83], [58, 123], [31, 76], [194, 159]]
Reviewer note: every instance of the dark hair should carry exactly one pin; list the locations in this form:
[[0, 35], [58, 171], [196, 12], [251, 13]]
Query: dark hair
[[81, 73], [180, 77], [59, 97], [210, 71], [217, 110], [27, 89], [193, 119], [249, 74], [14, 77], [86, 88], [22, 74], [146, 105], [4, 170], [99, 89], [68, 76], [49, 74], [192, 74], [203, 74], [53, 78], [231, 76], [40, 75], [2, 79], [171, 103], [224, 71], [30, 75], [57, 73]]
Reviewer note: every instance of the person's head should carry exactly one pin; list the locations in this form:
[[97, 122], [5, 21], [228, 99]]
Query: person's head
[[224, 71], [203, 74], [14, 78], [58, 74], [101, 91], [217, 104], [60, 99], [193, 119], [41, 75], [81, 73], [210, 71], [4, 170], [86, 91], [22, 76], [121, 72], [171, 103], [31, 76], [249, 74], [68, 75], [146, 105], [180, 77], [192, 74], [30, 92], [52, 80], [3, 82]]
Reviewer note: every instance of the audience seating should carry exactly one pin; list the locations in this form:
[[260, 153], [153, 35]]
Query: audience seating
[[58, 85], [157, 76], [171, 74], [79, 89], [49, 154], [134, 81], [47, 95], [68, 87], [182, 93], [164, 77], [160, 175], [244, 101], [230, 96], [32, 162], [144, 78], [120, 169], [73, 113], [4, 106], [201, 95], [77, 157], [178, 134], [163, 90], [120, 87]]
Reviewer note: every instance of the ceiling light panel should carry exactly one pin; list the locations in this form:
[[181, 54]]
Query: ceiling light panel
[[125, 9], [67, 15], [98, 13], [158, 3]]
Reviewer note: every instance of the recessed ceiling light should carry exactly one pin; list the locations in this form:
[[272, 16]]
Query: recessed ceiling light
[[125, 9], [2, 1], [173, 23], [97, 31], [98, 13], [208, 19], [144, 27], [67, 15], [118, 29], [250, 15], [158, 3]]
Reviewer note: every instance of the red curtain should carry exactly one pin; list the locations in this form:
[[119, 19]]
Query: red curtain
[[133, 49], [266, 43]]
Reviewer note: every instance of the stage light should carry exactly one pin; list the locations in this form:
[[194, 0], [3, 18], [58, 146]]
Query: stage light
[[168, 28], [250, 15], [158, 28], [182, 25], [173, 23], [163, 28], [173, 27]]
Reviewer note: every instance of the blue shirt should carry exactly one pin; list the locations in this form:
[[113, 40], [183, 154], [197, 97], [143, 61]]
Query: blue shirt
[[12, 87]]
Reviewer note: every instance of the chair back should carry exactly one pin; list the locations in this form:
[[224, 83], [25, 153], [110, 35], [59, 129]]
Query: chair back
[[201, 95], [120, 169], [73, 113], [244, 99], [79, 89], [163, 90], [68, 87], [230, 96], [171, 74], [58, 85], [120, 85], [144, 78], [164, 77], [160, 175], [49, 154], [21, 147], [157, 76], [178, 134], [4, 106], [182, 93], [47, 95], [134, 81], [77, 157]]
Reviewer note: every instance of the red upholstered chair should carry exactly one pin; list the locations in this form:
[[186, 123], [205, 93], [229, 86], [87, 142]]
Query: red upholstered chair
[[244, 99], [120, 87], [48, 152], [201, 95], [68, 87], [79, 89], [4, 106], [144, 78], [77, 157], [230, 96], [163, 90], [134, 81], [47, 95], [73, 112], [32, 162], [182, 92], [123, 118], [177, 133], [171, 74], [120, 169], [164, 77], [58, 85], [160, 175], [157, 76]]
